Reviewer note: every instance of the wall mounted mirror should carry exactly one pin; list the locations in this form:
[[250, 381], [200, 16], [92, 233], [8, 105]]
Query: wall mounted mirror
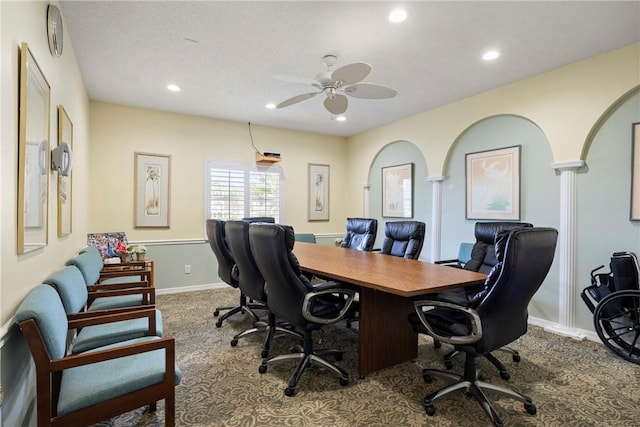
[[33, 155]]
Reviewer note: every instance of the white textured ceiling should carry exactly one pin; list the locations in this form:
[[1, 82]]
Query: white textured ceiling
[[225, 54]]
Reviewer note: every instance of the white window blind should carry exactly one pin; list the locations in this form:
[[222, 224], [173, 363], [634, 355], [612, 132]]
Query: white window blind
[[236, 191]]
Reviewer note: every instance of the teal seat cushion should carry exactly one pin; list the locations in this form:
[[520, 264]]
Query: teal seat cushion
[[86, 385], [71, 287], [89, 265], [119, 301], [43, 304], [91, 337]]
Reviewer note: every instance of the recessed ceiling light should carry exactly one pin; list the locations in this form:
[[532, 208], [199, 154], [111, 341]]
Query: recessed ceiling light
[[490, 55], [270, 106], [397, 15], [341, 118], [173, 88]]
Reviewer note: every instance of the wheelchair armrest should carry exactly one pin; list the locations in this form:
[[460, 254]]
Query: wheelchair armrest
[[423, 306], [323, 289]]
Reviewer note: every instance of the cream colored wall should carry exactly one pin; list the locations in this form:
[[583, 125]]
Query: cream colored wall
[[565, 103], [117, 132], [26, 22]]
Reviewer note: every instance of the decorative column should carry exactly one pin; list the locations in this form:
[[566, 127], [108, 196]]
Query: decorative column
[[366, 189], [436, 217], [568, 293]]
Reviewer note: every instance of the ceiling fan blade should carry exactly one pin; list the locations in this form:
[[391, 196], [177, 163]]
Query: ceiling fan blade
[[298, 80], [336, 104], [296, 99], [352, 73], [369, 91]]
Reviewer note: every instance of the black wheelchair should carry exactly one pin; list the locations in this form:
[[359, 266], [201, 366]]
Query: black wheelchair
[[614, 300]]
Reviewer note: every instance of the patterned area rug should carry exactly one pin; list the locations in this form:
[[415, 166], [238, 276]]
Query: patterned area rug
[[572, 383]]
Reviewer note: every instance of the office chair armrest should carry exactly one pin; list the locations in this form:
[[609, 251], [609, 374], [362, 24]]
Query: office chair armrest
[[476, 325], [323, 289]]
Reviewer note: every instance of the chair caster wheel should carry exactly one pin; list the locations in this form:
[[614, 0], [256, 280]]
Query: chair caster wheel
[[264, 354], [505, 375], [216, 313], [530, 408], [344, 381], [218, 324], [448, 364], [234, 342], [430, 410], [262, 369], [289, 391], [339, 357], [516, 358], [437, 344], [427, 378]]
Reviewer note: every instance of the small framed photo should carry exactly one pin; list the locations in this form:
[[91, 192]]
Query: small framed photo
[[318, 192], [152, 190], [493, 184], [635, 173], [397, 191]]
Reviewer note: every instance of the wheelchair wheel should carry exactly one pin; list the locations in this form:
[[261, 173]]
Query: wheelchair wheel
[[617, 322]]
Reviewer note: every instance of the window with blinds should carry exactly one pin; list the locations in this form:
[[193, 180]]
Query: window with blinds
[[236, 191]]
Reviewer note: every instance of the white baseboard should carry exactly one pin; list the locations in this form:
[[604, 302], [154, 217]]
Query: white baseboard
[[556, 328], [166, 291]]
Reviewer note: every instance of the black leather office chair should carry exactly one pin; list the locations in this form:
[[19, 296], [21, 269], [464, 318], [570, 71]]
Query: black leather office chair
[[403, 239], [496, 318], [218, 243], [483, 259], [360, 234], [251, 282], [294, 299]]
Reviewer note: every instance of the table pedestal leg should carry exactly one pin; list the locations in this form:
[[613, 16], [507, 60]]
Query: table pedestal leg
[[386, 337]]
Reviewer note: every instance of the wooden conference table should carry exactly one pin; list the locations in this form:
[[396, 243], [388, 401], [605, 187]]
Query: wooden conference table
[[386, 285]]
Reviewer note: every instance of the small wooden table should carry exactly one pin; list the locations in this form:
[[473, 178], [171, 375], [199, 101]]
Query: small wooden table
[[143, 269], [386, 285]]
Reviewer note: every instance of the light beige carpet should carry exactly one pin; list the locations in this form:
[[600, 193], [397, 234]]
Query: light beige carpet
[[572, 383]]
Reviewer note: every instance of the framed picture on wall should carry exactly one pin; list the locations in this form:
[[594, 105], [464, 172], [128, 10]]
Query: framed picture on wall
[[635, 172], [397, 191], [152, 178], [318, 192], [493, 184]]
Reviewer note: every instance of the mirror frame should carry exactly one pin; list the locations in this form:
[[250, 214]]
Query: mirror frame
[[33, 155]]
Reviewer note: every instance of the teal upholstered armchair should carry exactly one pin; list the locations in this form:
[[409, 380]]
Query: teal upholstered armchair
[[90, 263], [136, 320], [83, 389]]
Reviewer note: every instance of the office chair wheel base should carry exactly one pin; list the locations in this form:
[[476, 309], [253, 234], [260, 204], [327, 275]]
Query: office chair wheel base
[[289, 391], [344, 381], [262, 369], [216, 313], [234, 342], [505, 375], [530, 408], [430, 410], [448, 364], [218, 324], [516, 358]]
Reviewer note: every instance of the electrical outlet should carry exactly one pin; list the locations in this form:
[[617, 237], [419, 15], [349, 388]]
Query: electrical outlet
[[187, 269]]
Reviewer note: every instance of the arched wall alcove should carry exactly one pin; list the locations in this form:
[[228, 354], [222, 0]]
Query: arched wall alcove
[[604, 194], [398, 153], [539, 190]]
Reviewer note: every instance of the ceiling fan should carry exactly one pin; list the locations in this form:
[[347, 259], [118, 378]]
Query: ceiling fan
[[346, 80]]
